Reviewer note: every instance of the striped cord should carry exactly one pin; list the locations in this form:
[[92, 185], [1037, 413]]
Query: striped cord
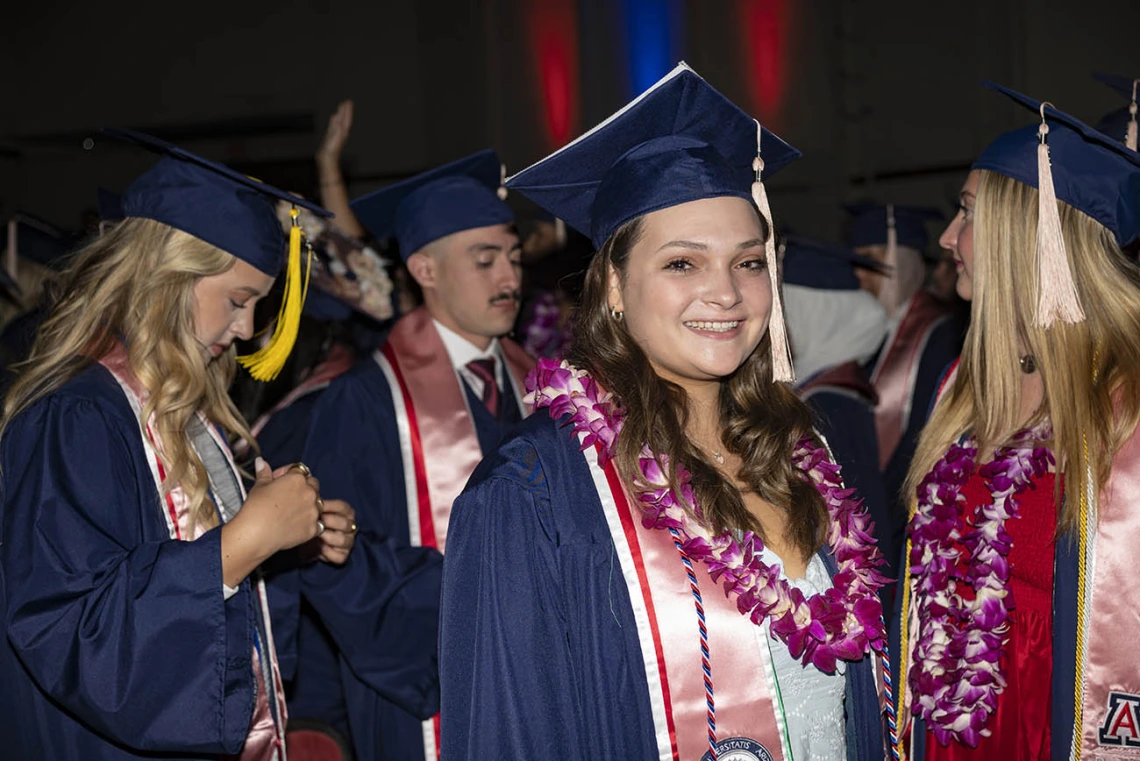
[[897, 750], [1084, 519], [889, 693], [699, 604]]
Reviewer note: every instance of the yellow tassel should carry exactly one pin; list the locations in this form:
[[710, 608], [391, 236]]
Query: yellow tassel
[[1057, 297], [267, 362]]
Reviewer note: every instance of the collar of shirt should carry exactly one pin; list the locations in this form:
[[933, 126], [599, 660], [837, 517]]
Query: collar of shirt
[[461, 351]]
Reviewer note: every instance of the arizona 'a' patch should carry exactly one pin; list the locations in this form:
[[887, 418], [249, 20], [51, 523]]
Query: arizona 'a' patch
[[1121, 725]]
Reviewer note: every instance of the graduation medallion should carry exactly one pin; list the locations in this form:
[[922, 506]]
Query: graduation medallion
[[738, 749]]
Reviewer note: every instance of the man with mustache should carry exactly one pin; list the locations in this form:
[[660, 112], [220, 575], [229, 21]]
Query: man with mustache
[[404, 429]]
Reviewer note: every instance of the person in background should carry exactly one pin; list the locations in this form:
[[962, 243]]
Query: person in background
[[132, 603], [834, 327], [402, 431], [923, 337]]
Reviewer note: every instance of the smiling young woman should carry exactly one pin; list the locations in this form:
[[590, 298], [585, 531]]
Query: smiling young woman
[[667, 524]]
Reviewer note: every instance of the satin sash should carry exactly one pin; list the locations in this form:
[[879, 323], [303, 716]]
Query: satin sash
[[896, 372], [1111, 687], [266, 738], [438, 443], [663, 606]]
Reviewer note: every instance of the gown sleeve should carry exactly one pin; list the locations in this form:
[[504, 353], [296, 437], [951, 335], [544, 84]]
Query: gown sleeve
[[382, 607], [509, 687], [121, 626]]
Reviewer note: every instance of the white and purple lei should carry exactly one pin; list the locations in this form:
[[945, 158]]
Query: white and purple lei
[[956, 677], [843, 623]]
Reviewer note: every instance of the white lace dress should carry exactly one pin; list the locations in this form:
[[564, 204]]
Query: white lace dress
[[812, 701]]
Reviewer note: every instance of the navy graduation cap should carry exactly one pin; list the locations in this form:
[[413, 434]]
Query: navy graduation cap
[[463, 195], [1120, 123], [1066, 160], [109, 204], [871, 224], [824, 266], [679, 141], [233, 212]]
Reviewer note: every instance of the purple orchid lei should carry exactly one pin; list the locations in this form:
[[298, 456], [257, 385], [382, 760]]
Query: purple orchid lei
[[542, 337], [843, 623], [957, 676]]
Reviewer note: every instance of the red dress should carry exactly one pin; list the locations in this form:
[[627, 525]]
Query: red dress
[[1020, 725]]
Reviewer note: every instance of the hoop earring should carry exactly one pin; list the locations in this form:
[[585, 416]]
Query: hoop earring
[[617, 315]]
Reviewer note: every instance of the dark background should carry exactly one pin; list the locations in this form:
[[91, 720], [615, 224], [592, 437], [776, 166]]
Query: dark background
[[882, 96]]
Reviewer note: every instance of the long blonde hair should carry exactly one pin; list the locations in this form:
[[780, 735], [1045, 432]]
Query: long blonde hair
[[1090, 370], [136, 284]]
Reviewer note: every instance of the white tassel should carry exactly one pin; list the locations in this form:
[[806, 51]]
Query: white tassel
[[1057, 297], [502, 191], [782, 370]]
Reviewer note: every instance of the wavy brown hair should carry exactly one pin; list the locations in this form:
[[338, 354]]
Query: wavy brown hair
[[762, 421], [137, 282]]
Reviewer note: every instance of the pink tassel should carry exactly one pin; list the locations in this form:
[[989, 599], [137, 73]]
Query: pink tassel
[[782, 370], [1057, 297]]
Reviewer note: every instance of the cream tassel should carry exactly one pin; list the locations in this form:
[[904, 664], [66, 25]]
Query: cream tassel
[[782, 369], [1130, 137], [1057, 297], [501, 192]]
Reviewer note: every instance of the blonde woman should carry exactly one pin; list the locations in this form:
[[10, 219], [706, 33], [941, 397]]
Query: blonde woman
[[134, 619], [1019, 614]]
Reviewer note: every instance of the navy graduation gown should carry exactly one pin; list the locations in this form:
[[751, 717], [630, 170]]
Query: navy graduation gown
[[119, 643], [539, 651], [353, 448], [370, 609], [942, 348]]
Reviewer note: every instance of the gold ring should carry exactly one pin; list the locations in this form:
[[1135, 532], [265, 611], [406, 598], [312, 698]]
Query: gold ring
[[321, 504], [352, 528], [303, 468]]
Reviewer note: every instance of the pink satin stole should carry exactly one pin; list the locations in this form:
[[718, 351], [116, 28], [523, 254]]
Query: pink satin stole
[[1112, 664], [738, 650], [897, 370], [445, 447]]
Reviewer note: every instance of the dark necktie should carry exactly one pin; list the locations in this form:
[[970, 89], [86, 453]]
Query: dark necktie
[[484, 369]]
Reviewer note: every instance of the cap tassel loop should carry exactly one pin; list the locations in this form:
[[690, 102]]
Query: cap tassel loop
[[782, 369], [267, 362], [1057, 297], [1130, 137]]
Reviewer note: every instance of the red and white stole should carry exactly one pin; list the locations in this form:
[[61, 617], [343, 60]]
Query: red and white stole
[[266, 740], [663, 607], [897, 369], [438, 442]]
